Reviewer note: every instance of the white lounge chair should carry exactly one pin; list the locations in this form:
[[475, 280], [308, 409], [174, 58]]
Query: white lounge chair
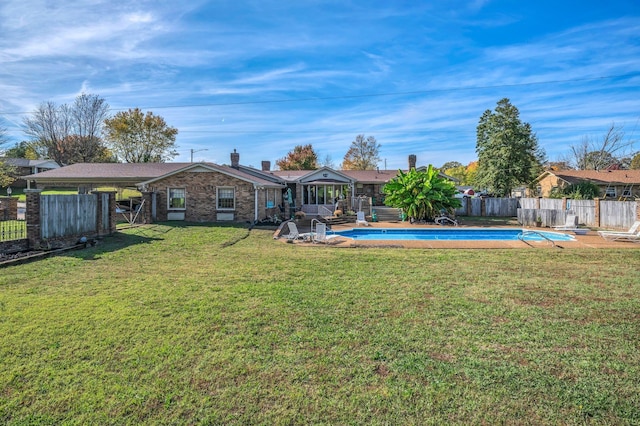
[[320, 236], [360, 220], [570, 224], [633, 234], [293, 231]]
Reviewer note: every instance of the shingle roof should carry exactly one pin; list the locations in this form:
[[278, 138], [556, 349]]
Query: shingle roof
[[142, 171], [600, 176], [133, 173]]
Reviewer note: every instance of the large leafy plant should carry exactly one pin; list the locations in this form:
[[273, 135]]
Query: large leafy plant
[[422, 195]]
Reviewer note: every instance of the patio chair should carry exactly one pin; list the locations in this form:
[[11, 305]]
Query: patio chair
[[570, 224], [360, 220], [320, 236], [293, 232], [633, 234]]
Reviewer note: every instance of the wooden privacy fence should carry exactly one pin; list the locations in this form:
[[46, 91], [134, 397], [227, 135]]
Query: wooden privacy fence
[[60, 220], [62, 215], [553, 211], [595, 213], [501, 207]]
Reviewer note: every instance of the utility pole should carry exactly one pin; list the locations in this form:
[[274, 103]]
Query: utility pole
[[196, 150]]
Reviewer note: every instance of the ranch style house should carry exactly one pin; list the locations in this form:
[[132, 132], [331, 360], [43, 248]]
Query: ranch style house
[[208, 192]]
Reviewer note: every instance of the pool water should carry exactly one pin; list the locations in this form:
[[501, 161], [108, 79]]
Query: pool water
[[450, 234]]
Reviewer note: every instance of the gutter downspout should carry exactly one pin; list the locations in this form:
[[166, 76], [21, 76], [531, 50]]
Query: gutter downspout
[[255, 209]]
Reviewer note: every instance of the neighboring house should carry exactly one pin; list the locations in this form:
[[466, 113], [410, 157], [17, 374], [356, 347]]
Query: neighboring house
[[26, 167], [617, 184], [207, 192]]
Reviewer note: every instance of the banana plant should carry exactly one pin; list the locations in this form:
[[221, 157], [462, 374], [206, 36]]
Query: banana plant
[[422, 195]]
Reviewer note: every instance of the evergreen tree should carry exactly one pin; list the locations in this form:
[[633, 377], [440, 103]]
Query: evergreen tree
[[508, 152]]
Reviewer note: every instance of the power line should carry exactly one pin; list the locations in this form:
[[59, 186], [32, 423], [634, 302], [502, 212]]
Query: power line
[[371, 95]]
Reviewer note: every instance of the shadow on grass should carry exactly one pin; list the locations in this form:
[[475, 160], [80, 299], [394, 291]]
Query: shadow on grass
[[112, 243], [146, 234]]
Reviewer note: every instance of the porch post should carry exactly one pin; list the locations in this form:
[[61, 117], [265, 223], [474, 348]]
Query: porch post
[[147, 208]]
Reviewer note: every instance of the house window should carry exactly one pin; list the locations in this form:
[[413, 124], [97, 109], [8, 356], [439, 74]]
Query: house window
[[270, 198], [610, 192], [626, 192], [177, 197], [226, 198]]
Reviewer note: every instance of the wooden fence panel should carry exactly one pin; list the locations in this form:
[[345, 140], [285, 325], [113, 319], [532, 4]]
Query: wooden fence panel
[[548, 217], [501, 207], [551, 203], [617, 214], [585, 210], [529, 203], [63, 215]]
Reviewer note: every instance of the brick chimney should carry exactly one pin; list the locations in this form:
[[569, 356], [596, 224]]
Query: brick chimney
[[266, 166], [412, 161], [235, 159]]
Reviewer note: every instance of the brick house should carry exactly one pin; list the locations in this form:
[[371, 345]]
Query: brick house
[[616, 184], [197, 192], [207, 192]]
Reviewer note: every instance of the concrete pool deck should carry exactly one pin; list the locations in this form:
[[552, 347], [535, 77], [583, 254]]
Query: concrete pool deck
[[590, 240]]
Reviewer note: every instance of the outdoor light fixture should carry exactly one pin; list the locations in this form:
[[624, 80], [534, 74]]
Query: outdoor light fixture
[[9, 191]]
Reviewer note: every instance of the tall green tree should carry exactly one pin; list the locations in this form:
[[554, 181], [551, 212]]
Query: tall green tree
[[23, 149], [137, 137], [364, 154], [508, 151], [451, 165], [421, 195], [302, 157]]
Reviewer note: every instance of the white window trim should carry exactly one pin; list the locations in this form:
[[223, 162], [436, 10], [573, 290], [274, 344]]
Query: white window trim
[[169, 198], [270, 195], [218, 188], [610, 192]]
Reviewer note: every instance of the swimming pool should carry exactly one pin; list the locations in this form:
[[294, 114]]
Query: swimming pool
[[450, 234]]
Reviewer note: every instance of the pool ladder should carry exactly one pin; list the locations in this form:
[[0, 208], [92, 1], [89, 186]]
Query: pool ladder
[[526, 232]]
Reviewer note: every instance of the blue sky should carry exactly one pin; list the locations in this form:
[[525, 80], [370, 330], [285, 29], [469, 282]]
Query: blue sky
[[263, 76]]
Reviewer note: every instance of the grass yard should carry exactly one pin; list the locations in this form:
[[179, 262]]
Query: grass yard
[[220, 325]]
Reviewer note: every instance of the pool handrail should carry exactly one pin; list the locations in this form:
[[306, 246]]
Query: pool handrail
[[524, 233]]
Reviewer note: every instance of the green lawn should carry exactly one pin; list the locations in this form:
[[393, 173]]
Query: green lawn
[[221, 325]]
